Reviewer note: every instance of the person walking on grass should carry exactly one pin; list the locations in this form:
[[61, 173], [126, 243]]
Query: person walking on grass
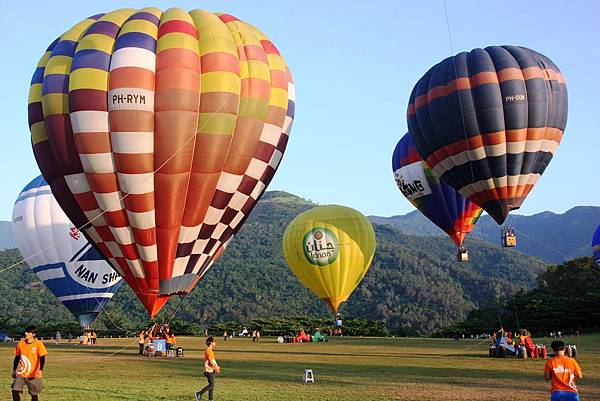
[[30, 357], [210, 369], [562, 370]]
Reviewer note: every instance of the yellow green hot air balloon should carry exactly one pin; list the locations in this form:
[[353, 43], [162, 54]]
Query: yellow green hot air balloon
[[330, 248]]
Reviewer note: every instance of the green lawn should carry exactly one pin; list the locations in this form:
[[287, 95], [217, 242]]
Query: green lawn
[[344, 369]]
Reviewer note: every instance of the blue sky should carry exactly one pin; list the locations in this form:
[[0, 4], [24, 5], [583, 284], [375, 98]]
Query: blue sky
[[354, 65]]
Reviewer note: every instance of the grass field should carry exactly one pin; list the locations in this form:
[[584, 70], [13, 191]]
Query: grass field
[[344, 368]]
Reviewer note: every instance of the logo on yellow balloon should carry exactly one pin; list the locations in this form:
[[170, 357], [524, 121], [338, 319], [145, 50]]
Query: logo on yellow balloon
[[321, 246]]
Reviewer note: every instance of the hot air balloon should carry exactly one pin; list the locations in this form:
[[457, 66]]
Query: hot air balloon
[[329, 248], [488, 123], [596, 245], [158, 132], [439, 202], [60, 256]]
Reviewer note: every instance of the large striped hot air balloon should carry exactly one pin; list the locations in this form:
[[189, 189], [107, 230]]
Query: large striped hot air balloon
[[158, 132], [60, 256], [596, 245], [488, 123], [330, 248], [438, 201]]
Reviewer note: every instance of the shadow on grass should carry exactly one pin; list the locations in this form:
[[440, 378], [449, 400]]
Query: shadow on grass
[[336, 373], [408, 355]]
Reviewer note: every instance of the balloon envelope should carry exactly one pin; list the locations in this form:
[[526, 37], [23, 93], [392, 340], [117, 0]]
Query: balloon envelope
[[439, 202], [596, 246], [329, 248], [158, 132], [60, 256], [488, 123]]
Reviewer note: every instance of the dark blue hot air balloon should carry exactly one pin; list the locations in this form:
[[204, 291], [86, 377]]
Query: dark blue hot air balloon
[[489, 121]]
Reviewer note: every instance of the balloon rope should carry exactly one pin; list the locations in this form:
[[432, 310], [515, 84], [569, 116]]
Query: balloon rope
[[17, 264], [514, 293], [178, 306], [117, 352], [462, 114], [565, 257], [107, 314], [460, 351]]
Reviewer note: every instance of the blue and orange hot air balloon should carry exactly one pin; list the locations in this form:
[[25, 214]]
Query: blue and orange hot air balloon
[[439, 202], [488, 123], [158, 132], [596, 245]]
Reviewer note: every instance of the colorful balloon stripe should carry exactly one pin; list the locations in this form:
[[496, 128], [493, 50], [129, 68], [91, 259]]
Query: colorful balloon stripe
[[489, 121], [439, 202], [159, 134]]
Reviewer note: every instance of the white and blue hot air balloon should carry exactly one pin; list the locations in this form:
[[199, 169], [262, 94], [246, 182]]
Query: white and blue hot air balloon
[[60, 256]]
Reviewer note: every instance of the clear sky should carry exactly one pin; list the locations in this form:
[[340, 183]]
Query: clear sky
[[354, 64]]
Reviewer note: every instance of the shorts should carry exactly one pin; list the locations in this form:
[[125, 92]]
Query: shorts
[[564, 396], [34, 386]]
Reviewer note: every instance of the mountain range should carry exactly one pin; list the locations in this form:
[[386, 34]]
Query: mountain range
[[414, 283], [552, 237]]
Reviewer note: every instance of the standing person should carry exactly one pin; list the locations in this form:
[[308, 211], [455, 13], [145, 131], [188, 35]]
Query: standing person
[[141, 342], [70, 338], [30, 357], [562, 370], [210, 369], [169, 341], [173, 343], [58, 337], [94, 337]]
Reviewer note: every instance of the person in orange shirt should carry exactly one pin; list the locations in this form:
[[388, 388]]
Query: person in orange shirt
[[171, 341], [562, 370], [141, 342], [210, 369], [30, 357]]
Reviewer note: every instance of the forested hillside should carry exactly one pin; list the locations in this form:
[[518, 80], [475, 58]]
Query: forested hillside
[[567, 299], [414, 282]]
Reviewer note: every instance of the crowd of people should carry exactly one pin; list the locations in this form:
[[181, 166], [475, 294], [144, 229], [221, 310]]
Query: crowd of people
[[30, 359], [147, 337], [88, 337]]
